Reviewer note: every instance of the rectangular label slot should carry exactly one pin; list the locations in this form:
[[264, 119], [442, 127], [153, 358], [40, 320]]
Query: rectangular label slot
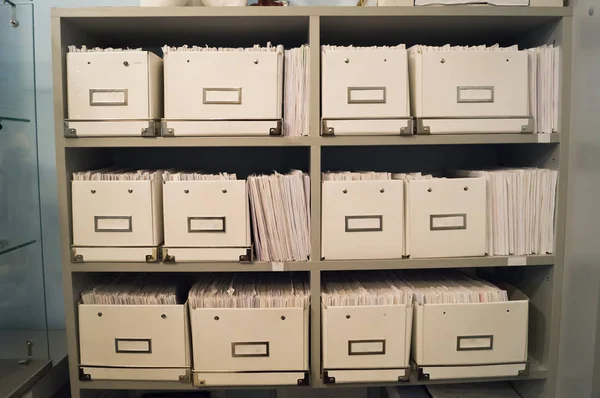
[[113, 224], [108, 97], [206, 224], [133, 346], [447, 222], [364, 223], [366, 95], [475, 343], [474, 94], [366, 347], [222, 96], [250, 349]]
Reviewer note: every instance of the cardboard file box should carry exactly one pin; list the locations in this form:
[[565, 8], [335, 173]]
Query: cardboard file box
[[365, 92], [446, 217], [457, 92], [113, 93], [116, 220], [218, 93], [366, 343], [452, 341], [206, 221], [362, 219], [134, 342], [269, 348]]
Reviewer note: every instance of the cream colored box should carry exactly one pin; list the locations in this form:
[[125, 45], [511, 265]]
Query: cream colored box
[[458, 92], [147, 338], [365, 91], [117, 213], [471, 340], [362, 219], [446, 217], [367, 343]]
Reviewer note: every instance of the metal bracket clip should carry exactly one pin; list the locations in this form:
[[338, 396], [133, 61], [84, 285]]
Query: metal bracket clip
[[153, 129], [84, 376], [247, 258], [186, 377], [276, 131], [26, 361], [76, 258], [154, 257], [166, 257], [14, 22], [327, 379], [69, 132]]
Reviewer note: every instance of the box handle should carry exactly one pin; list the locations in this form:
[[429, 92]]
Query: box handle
[[133, 346], [475, 343], [364, 223], [249, 349], [108, 97], [206, 224], [367, 95], [447, 222], [366, 347], [474, 94], [222, 95], [113, 224]]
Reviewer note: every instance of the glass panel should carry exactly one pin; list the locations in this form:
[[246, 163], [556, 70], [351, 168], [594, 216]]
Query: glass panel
[[24, 350]]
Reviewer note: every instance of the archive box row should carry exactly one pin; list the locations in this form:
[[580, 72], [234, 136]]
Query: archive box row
[[254, 330], [127, 216], [365, 90]]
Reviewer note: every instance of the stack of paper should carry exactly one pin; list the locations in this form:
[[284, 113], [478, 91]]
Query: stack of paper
[[355, 176], [488, 390], [361, 289], [268, 48], [136, 290], [451, 287], [544, 88], [521, 207], [280, 208], [117, 175], [296, 91], [196, 176], [84, 49], [250, 291]]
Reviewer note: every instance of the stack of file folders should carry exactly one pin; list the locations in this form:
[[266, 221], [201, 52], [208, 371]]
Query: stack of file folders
[[134, 290], [280, 208], [296, 91]]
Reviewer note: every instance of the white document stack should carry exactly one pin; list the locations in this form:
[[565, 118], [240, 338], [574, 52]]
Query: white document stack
[[356, 176], [280, 208], [296, 92], [111, 174], [520, 210], [250, 291], [196, 176], [544, 87], [362, 289], [138, 290]]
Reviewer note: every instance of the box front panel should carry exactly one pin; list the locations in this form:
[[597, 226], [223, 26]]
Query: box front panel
[[363, 84], [112, 213], [365, 337], [468, 334], [227, 85], [133, 335], [447, 217], [258, 339], [206, 213], [362, 219], [108, 85], [475, 83]]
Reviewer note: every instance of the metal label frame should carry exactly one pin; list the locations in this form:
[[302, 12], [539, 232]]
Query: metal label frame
[[488, 348], [119, 351], [250, 343], [372, 101], [474, 101], [125, 92], [380, 352], [206, 90], [435, 216], [128, 218], [376, 217], [190, 230]]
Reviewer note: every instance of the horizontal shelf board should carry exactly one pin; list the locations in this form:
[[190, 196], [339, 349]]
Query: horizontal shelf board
[[457, 139], [149, 12], [326, 265]]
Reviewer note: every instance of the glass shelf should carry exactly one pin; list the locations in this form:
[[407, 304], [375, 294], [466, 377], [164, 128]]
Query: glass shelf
[[9, 245]]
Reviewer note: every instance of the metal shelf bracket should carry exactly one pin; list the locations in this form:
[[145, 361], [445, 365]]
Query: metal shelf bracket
[[14, 22]]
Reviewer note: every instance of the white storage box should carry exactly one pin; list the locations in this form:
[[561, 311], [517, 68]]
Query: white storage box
[[206, 220], [365, 91], [362, 219], [452, 341], [111, 217], [113, 93], [134, 342], [271, 343], [446, 217], [470, 91], [366, 343], [210, 92]]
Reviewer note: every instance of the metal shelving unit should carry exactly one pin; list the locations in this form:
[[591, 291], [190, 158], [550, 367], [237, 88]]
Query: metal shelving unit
[[540, 277]]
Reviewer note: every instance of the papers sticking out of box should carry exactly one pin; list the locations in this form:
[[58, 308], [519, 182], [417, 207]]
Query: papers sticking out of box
[[296, 94]]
